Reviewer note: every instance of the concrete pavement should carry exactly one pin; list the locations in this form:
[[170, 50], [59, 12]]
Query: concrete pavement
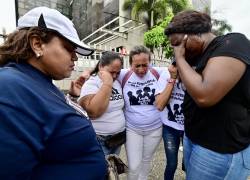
[[158, 165]]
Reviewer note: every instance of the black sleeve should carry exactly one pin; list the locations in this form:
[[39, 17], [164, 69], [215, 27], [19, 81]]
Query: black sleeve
[[234, 45]]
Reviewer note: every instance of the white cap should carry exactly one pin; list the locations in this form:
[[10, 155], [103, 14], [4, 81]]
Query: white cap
[[52, 19]]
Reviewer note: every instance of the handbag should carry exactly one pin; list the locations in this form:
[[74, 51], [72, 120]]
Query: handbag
[[116, 140], [115, 167]]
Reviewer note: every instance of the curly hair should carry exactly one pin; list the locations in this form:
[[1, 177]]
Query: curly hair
[[17, 47], [189, 22]]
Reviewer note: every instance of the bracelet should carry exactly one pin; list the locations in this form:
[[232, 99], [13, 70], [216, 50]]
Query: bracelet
[[173, 75], [74, 96], [107, 85], [171, 81]]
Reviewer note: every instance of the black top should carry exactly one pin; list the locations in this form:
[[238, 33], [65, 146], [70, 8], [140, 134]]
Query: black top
[[224, 127]]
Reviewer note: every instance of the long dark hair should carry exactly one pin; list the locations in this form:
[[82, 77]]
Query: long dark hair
[[107, 58], [17, 47]]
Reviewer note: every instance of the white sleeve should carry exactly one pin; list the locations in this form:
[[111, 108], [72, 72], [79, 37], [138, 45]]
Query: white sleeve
[[162, 81], [91, 86], [161, 69], [122, 74]]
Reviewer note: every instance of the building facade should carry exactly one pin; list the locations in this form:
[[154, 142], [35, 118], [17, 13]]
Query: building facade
[[64, 6], [89, 16], [102, 24]]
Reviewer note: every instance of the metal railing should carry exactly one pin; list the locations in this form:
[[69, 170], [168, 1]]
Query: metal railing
[[84, 63]]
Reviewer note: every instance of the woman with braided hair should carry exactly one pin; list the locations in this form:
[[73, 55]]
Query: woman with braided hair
[[216, 74]]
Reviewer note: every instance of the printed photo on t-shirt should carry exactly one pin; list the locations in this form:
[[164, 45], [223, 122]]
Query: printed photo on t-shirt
[[145, 96], [115, 95], [140, 91], [174, 107], [175, 114]]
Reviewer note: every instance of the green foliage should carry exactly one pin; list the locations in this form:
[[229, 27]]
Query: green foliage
[[137, 7], [178, 5], [156, 10], [220, 27], [155, 38], [159, 13]]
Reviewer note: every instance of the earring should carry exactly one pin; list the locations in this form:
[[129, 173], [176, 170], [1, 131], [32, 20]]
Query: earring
[[38, 55]]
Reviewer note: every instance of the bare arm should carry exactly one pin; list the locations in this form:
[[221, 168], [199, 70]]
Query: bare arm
[[96, 104], [76, 85], [162, 99], [217, 79]]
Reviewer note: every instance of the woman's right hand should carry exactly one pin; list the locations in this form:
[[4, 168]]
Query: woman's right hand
[[76, 85], [106, 77], [179, 51], [173, 71]]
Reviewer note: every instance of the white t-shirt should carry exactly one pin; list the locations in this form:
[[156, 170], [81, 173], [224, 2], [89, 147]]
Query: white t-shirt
[[113, 120], [139, 96], [172, 115]]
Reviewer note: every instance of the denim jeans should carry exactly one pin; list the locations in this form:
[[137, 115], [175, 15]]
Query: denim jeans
[[106, 150], [205, 164], [171, 138]]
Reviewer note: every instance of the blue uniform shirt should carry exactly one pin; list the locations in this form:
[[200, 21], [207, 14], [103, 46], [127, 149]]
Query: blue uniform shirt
[[41, 136]]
